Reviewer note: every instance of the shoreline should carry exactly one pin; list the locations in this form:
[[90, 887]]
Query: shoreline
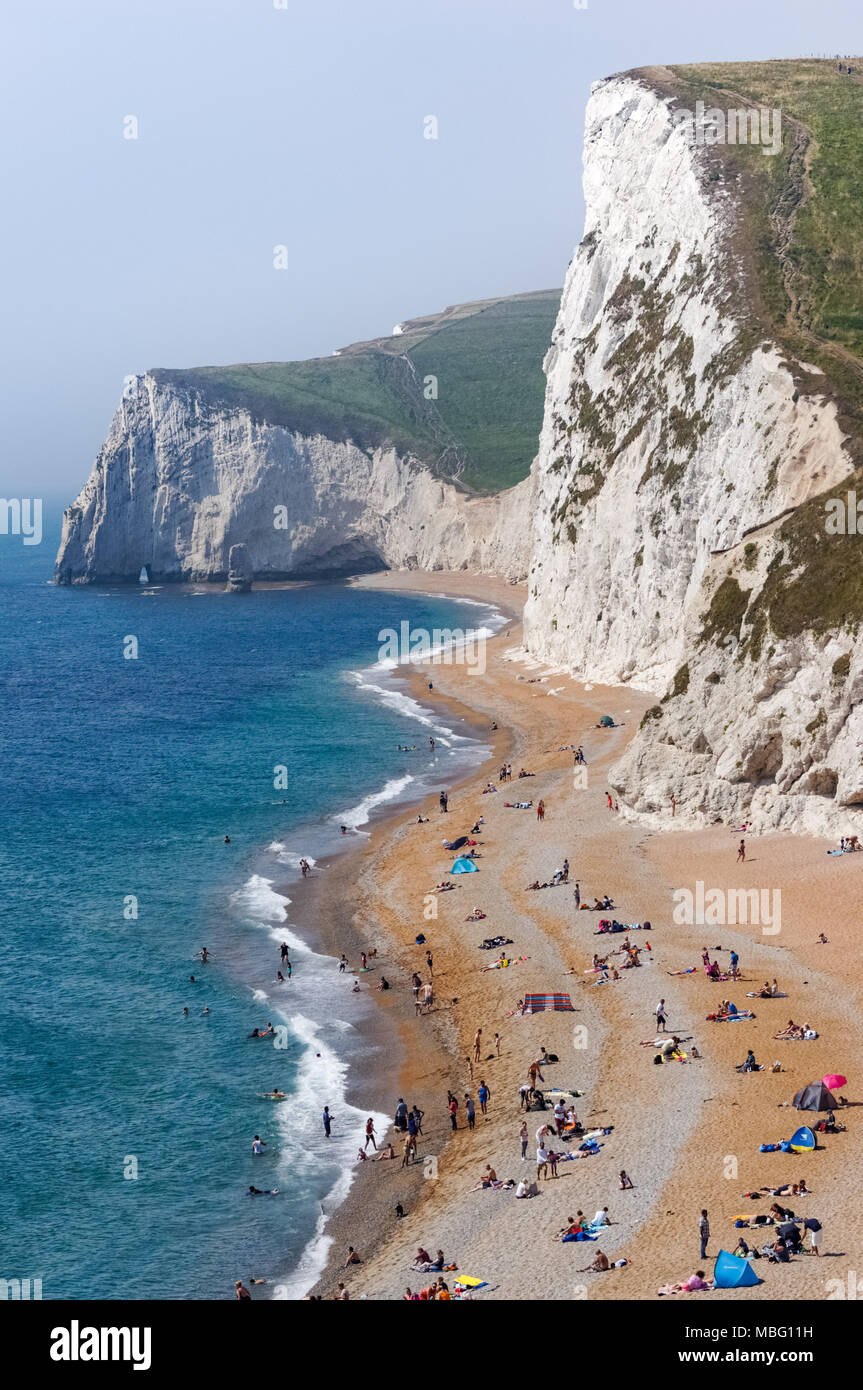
[[321, 913], [673, 1125]]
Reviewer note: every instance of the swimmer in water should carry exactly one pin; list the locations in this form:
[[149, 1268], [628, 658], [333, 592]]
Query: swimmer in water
[[280, 979], [205, 1011], [356, 988], [276, 1094], [227, 839], [344, 829], [203, 955]]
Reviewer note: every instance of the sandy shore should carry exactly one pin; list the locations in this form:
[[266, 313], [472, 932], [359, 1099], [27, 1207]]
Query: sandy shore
[[688, 1133]]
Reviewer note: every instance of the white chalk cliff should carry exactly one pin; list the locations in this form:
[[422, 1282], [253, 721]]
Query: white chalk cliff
[[179, 481], [671, 443]]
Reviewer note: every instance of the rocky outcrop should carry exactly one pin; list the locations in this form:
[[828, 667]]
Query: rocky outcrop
[[179, 481], [240, 571], [674, 440]]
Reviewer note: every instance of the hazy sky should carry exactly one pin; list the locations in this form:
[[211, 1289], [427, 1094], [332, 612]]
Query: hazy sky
[[300, 126]]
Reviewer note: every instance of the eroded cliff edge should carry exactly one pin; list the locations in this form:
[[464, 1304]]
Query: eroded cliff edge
[[704, 391]]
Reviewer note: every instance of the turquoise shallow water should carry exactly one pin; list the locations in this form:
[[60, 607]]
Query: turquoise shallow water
[[121, 777]]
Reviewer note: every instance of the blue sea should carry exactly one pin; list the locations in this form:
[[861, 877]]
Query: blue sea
[[125, 1125]]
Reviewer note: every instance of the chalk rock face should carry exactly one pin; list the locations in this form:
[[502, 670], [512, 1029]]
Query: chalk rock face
[[179, 481], [671, 443]]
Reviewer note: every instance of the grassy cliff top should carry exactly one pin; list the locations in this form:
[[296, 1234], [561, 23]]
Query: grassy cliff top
[[797, 249], [486, 361]]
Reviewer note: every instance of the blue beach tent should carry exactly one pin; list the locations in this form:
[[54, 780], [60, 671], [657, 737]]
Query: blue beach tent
[[464, 866], [731, 1273], [802, 1140]]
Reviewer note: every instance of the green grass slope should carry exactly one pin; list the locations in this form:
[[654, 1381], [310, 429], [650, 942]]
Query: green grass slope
[[486, 358]]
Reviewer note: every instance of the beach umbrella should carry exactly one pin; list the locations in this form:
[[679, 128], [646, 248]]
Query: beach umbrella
[[833, 1082]]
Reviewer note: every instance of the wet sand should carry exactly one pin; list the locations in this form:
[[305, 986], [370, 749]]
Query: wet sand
[[687, 1132]]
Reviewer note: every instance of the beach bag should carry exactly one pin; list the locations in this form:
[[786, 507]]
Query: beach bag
[[768, 1148], [657, 1061]]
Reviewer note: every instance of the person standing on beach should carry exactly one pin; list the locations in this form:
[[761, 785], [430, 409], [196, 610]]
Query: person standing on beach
[[469, 1067], [417, 1116], [704, 1232], [497, 1043], [484, 1095], [443, 802], [735, 962], [523, 1139], [452, 1106], [370, 1134], [540, 810], [343, 964], [401, 1116], [430, 964], [741, 852], [327, 1120], [576, 893], [660, 1015], [470, 1110], [565, 871], [477, 1044]]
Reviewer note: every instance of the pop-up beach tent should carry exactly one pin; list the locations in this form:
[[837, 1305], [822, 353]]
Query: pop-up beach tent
[[606, 722], [464, 866], [802, 1140], [536, 1003], [729, 1272], [815, 1097]]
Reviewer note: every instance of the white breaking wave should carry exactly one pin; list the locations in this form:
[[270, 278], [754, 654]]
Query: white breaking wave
[[289, 857], [359, 815], [257, 898], [320, 1080], [404, 704]]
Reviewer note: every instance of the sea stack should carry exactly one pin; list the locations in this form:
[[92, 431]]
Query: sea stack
[[240, 571]]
